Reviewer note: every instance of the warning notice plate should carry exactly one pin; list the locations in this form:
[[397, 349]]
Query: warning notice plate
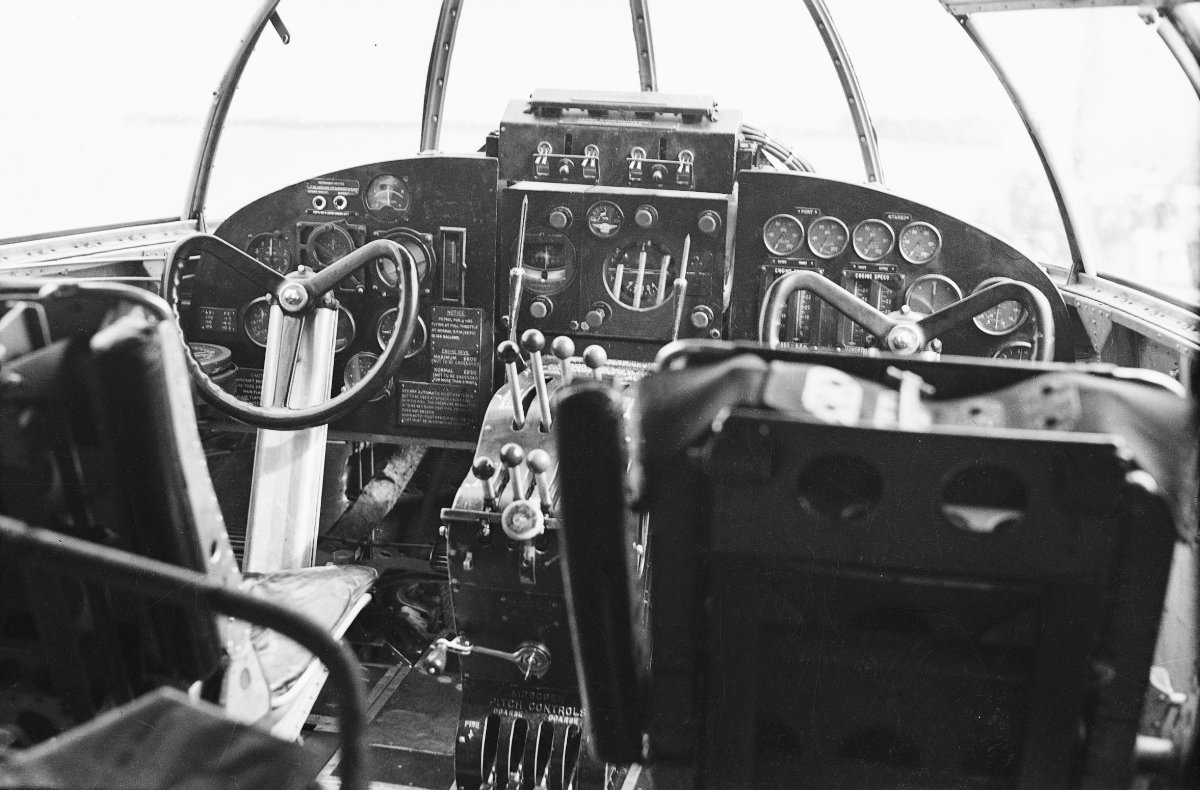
[[437, 405], [218, 319], [454, 342]]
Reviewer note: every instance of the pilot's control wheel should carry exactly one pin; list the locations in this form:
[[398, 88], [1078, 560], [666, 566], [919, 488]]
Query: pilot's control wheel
[[294, 299], [902, 333]]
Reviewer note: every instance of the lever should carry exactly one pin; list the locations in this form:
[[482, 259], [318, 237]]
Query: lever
[[513, 456], [532, 658], [485, 472], [516, 275], [595, 357], [510, 355], [539, 463], [681, 286], [534, 342], [563, 348], [640, 281], [663, 271]]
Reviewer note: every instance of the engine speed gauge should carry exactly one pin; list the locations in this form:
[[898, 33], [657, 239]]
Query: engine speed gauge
[[386, 325], [357, 368], [931, 293], [604, 219], [256, 318], [1004, 317], [873, 238], [782, 235], [387, 192], [328, 243], [1014, 349], [270, 249], [827, 237], [919, 242]]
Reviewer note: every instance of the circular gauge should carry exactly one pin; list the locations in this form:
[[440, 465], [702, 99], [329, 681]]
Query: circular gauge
[[1004, 317], [327, 243], [782, 234], [549, 261], [931, 293], [604, 219], [345, 330], [388, 192], [386, 324], [256, 318], [919, 242], [1014, 349], [357, 368], [827, 237], [414, 247], [270, 249], [640, 275], [873, 238]]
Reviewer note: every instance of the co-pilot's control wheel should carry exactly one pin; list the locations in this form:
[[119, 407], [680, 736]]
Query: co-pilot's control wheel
[[901, 333], [295, 299]]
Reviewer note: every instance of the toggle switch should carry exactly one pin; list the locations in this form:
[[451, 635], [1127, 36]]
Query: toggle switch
[[485, 472], [512, 456], [595, 357], [563, 349], [534, 342], [509, 355], [539, 463]]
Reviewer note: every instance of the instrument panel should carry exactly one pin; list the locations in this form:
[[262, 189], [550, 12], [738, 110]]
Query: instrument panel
[[441, 211], [895, 254]]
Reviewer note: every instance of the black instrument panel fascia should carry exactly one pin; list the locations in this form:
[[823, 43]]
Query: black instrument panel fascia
[[450, 197], [968, 255]]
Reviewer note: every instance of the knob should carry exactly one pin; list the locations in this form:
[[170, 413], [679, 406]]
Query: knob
[[597, 315], [701, 316], [539, 463], [533, 341], [521, 520], [645, 217], [560, 218], [508, 352], [541, 307], [564, 168], [563, 348], [513, 456], [595, 357], [709, 222], [658, 173], [484, 471]]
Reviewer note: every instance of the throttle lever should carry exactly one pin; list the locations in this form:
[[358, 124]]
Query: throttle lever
[[516, 275]]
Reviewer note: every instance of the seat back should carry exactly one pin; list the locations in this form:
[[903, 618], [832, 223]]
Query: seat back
[[101, 443], [856, 585]]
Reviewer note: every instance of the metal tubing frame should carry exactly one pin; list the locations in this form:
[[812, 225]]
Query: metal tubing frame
[[219, 110], [867, 141], [1079, 258], [438, 75], [160, 581], [640, 15]]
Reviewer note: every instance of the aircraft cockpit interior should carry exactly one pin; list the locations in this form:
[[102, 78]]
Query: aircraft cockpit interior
[[628, 446]]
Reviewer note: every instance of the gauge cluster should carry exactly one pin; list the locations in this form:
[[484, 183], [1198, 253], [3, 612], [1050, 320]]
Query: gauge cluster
[[606, 264], [900, 257], [441, 211]]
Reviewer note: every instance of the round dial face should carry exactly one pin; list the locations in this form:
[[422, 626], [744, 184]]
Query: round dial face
[[639, 276], [388, 192], [345, 330], [549, 261], [782, 234], [386, 325], [387, 270], [1015, 349], [931, 293], [1001, 319], [604, 219], [827, 237], [873, 238], [270, 249], [256, 317], [919, 242], [358, 366], [327, 243]]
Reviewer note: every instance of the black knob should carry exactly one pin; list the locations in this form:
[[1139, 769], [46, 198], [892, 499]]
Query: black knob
[[512, 455], [508, 352], [533, 341], [483, 468]]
